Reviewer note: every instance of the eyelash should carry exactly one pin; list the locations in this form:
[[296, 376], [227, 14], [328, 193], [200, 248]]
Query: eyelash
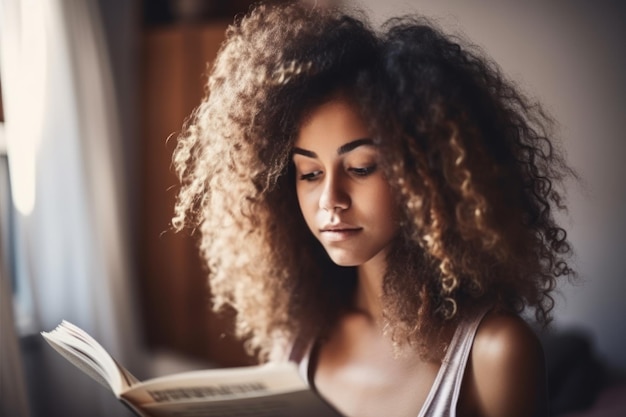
[[310, 176], [363, 172], [359, 172]]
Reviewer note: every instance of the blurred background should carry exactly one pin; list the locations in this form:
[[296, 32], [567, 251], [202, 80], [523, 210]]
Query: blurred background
[[93, 93]]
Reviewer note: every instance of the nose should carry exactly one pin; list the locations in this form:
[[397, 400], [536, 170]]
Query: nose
[[334, 195]]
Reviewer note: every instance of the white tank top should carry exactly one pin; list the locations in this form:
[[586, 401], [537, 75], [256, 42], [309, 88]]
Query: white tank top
[[444, 394]]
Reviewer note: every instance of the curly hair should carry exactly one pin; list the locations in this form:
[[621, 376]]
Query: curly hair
[[471, 160]]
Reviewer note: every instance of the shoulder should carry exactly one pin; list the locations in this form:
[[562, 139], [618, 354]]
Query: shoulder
[[506, 373], [502, 336]]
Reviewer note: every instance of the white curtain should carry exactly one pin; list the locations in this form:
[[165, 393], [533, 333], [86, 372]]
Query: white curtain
[[64, 148]]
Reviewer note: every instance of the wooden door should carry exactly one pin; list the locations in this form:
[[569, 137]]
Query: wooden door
[[172, 281]]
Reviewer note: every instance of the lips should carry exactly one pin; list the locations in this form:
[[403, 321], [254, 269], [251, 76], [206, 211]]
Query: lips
[[339, 232]]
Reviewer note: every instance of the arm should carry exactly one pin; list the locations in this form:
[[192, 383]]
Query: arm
[[506, 374]]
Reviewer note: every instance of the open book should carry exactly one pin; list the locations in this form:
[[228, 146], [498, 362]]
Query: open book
[[270, 390]]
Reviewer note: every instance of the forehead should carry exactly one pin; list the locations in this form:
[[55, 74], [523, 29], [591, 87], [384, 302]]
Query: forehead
[[331, 124]]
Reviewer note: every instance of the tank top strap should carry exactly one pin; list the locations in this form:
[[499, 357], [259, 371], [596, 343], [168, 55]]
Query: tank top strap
[[301, 355], [444, 394]]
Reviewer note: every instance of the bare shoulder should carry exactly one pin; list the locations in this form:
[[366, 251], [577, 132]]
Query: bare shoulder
[[504, 337], [507, 370]]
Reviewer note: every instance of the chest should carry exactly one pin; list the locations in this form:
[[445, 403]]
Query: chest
[[362, 377], [363, 391]]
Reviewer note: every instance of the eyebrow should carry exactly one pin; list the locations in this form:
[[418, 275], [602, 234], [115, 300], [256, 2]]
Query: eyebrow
[[342, 149]]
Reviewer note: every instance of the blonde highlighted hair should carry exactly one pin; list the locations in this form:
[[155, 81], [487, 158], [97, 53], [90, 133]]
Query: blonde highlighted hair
[[471, 161]]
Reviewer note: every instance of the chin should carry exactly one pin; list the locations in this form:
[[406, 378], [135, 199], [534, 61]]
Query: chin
[[341, 258], [345, 263]]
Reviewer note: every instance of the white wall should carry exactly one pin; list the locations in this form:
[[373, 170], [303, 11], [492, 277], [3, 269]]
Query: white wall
[[571, 56]]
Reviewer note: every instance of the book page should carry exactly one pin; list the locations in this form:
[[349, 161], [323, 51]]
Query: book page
[[270, 390], [78, 360], [89, 356], [303, 403]]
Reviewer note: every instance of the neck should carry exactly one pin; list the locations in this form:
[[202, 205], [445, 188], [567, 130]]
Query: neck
[[370, 288]]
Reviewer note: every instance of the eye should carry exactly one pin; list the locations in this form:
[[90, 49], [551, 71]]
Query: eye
[[363, 172], [310, 176]]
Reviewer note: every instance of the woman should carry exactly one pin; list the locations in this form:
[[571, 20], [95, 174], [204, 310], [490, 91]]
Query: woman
[[377, 207]]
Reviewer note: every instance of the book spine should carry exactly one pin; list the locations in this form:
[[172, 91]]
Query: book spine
[[135, 409]]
